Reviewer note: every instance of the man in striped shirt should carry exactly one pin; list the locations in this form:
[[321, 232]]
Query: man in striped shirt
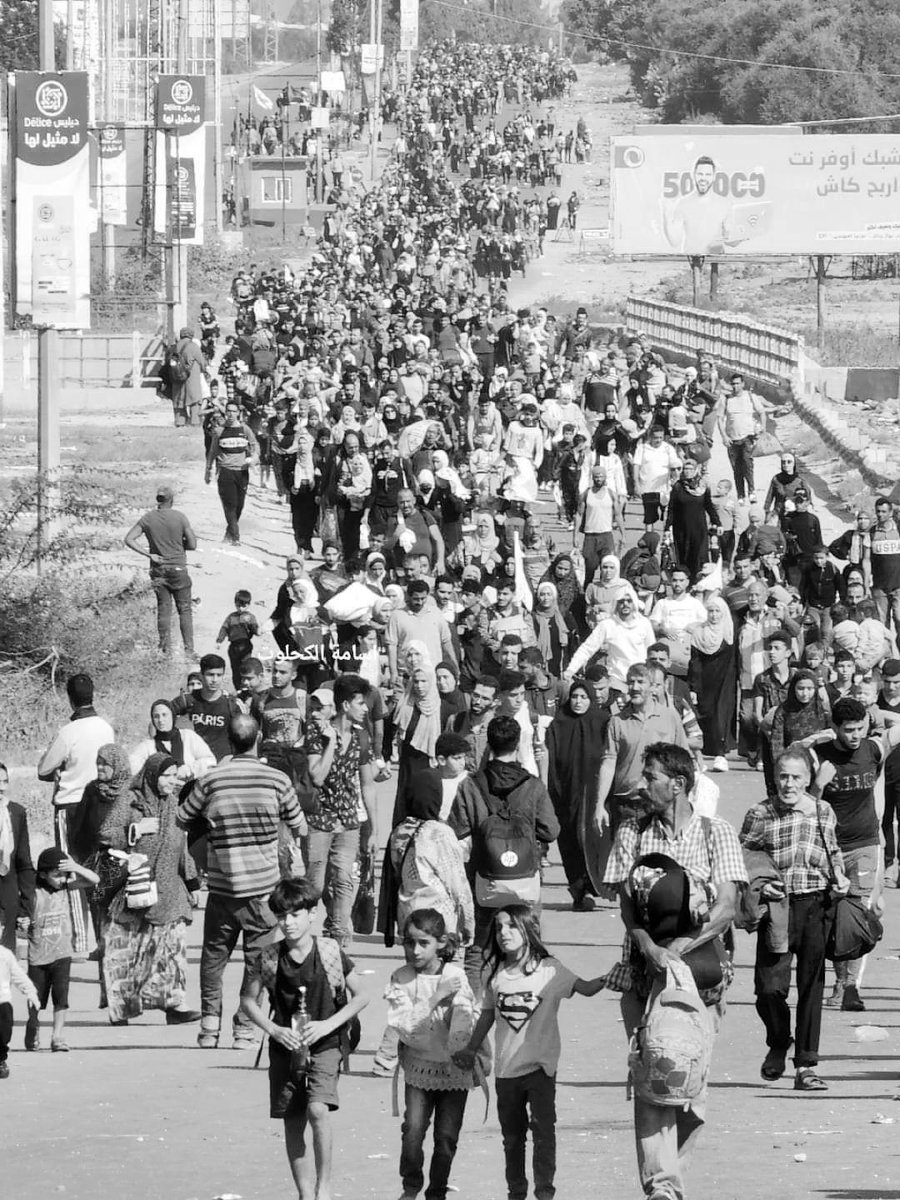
[[242, 801]]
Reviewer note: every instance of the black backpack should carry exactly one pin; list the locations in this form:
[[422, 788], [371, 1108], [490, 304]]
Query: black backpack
[[505, 845]]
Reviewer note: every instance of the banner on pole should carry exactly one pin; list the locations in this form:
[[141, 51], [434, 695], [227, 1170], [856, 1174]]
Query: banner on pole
[[180, 192], [51, 198], [409, 24], [371, 58], [111, 174]]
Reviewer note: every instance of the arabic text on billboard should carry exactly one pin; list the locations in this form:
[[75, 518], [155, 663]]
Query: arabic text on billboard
[[718, 195]]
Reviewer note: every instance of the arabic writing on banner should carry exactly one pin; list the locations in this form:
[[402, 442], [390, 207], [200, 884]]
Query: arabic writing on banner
[[755, 194]]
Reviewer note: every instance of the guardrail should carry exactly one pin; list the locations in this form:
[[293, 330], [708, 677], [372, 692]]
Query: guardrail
[[118, 360], [766, 353]]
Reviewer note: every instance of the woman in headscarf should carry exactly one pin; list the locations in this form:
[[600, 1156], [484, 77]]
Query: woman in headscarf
[[452, 699], [376, 573], [689, 516], [551, 628], [568, 590], [417, 719], [642, 568], [712, 679], [606, 589], [145, 949], [782, 488], [482, 548], [191, 754], [575, 742], [428, 863], [805, 711], [295, 605]]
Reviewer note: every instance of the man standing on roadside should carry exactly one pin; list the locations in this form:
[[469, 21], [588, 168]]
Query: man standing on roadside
[[741, 420], [242, 801], [169, 535], [70, 763], [885, 553], [232, 451]]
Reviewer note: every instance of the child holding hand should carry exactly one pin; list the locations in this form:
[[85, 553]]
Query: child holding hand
[[432, 1008], [525, 987]]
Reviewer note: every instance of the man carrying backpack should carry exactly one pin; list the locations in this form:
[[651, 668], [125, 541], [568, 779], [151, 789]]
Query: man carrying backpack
[[508, 814], [702, 855]]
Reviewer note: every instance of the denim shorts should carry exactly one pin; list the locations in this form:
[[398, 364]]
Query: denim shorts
[[289, 1094]]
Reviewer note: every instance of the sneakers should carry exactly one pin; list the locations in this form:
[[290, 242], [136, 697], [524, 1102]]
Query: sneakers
[[720, 763], [59, 1046], [208, 1039], [179, 1016], [851, 1001], [244, 1043], [584, 903], [4, 1070], [836, 998]]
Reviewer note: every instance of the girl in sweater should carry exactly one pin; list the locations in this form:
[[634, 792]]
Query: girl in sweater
[[432, 1008]]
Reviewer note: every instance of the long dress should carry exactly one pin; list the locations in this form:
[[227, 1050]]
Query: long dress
[[713, 678], [689, 516], [145, 950], [574, 750]]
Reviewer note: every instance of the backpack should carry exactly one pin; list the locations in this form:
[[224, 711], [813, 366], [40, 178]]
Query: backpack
[[329, 952], [179, 369], [671, 1050], [504, 851]]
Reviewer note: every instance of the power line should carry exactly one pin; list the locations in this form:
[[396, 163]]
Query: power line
[[721, 58]]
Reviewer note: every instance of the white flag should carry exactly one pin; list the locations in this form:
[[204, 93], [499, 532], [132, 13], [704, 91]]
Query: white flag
[[262, 99]]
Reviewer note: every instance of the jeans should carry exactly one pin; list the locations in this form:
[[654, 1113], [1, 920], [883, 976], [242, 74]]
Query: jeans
[[233, 492], [861, 866], [518, 1098], [330, 858], [448, 1109], [890, 821], [772, 980], [665, 1137], [349, 521], [6, 1028], [748, 730], [888, 605], [228, 918], [173, 584], [740, 455]]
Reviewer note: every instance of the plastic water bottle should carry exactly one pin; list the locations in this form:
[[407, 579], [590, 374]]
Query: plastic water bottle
[[299, 1021]]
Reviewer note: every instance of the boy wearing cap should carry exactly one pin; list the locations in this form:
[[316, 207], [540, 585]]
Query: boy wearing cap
[[169, 535], [50, 942]]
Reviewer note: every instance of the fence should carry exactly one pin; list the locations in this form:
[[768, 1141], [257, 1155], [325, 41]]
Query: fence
[[768, 354], [117, 360]]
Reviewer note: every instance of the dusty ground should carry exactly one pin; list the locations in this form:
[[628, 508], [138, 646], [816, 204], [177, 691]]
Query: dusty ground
[[139, 1112]]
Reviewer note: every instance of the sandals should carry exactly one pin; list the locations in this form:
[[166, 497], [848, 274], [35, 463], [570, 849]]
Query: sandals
[[807, 1080]]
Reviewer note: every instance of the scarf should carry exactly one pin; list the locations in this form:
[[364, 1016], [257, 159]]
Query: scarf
[[568, 590], [170, 743], [7, 845], [545, 620], [485, 544], [708, 638], [445, 472], [427, 728]]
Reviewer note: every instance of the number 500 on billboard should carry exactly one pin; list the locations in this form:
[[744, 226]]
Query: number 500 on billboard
[[721, 194]]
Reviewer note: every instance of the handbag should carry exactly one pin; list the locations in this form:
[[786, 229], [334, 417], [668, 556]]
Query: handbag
[[362, 914], [852, 929]]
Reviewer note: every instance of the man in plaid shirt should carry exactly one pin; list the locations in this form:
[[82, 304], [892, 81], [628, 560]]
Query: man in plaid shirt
[[709, 852], [798, 834]]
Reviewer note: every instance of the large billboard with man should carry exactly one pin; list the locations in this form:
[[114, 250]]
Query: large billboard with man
[[719, 195]]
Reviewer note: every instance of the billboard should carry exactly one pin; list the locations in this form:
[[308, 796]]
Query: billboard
[[180, 158], [714, 194], [111, 174], [51, 198]]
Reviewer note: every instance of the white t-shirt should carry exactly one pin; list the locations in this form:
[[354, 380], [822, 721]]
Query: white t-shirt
[[653, 464], [526, 1029]]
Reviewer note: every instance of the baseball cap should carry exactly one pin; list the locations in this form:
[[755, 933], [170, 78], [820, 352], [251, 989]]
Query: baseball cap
[[164, 492], [890, 667]]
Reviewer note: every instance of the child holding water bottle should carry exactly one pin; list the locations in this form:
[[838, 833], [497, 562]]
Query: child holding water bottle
[[525, 987]]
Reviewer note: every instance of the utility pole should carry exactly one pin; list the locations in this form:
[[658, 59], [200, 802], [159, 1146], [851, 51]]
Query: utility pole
[[176, 252], [320, 133], [378, 5], [48, 361]]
